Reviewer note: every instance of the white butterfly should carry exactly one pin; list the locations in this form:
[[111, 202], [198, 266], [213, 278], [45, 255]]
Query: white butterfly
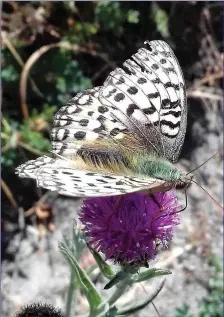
[[122, 137]]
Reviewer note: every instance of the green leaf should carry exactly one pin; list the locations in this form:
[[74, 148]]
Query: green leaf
[[183, 311], [120, 276], [10, 74], [133, 309], [150, 273], [133, 16], [161, 20], [112, 312], [103, 266], [85, 283]]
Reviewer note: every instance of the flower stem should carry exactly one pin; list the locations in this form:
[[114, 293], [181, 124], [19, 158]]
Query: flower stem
[[72, 296], [119, 291]]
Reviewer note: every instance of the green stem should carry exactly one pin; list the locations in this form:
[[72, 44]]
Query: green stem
[[119, 291], [72, 296]]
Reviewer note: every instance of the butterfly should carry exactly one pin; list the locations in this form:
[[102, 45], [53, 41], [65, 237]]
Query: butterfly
[[122, 137]]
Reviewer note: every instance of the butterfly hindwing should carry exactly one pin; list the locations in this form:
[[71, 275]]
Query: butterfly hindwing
[[59, 175]]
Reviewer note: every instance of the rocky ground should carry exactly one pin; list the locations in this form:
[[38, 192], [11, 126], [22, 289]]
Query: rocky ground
[[39, 273]]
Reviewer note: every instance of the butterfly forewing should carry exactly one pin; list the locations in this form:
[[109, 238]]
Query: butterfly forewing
[[151, 95]]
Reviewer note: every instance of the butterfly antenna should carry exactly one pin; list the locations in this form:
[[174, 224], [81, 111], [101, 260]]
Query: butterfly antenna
[[204, 162], [153, 304], [208, 195]]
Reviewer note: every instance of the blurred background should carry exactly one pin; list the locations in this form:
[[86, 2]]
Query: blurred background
[[50, 52]]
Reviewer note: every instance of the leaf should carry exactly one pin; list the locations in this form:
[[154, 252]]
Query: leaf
[[133, 309], [120, 276], [112, 312], [161, 20], [133, 16], [150, 273], [85, 283], [103, 266], [183, 311]]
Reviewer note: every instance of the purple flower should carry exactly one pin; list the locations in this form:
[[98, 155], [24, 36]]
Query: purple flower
[[128, 228]]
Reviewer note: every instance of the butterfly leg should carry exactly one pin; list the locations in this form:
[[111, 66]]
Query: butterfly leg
[[155, 201], [114, 209]]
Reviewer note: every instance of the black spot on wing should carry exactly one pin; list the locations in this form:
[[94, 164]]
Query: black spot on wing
[[141, 81], [156, 81], [131, 108], [110, 93], [102, 109], [114, 132], [132, 90], [171, 85], [127, 71], [155, 66], [150, 110], [91, 184], [163, 61], [119, 97], [120, 183], [84, 122], [67, 173], [101, 118], [99, 129], [80, 135], [176, 114], [153, 95], [120, 81], [170, 124], [101, 181], [165, 103], [109, 177]]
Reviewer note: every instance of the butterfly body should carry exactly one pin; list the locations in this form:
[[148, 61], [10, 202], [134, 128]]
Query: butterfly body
[[122, 137]]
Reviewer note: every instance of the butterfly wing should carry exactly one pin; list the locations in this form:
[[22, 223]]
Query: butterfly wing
[[141, 105], [143, 102], [60, 175], [84, 120], [149, 91]]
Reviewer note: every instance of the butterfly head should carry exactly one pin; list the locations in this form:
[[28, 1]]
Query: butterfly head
[[184, 182]]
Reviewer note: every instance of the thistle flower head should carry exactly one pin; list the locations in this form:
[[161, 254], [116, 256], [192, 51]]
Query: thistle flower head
[[39, 310], [128, 228]]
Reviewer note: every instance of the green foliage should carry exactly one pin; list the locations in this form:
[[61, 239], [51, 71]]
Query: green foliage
[[212, 305], [47, 113], [183, 311], [29, 136], [105, 268], [10, 70], [9, 158], [111, 16], [35, 139], [65, 77], [72, 250], [80, 32], [133, 16], [161, 20], [10, 74]]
